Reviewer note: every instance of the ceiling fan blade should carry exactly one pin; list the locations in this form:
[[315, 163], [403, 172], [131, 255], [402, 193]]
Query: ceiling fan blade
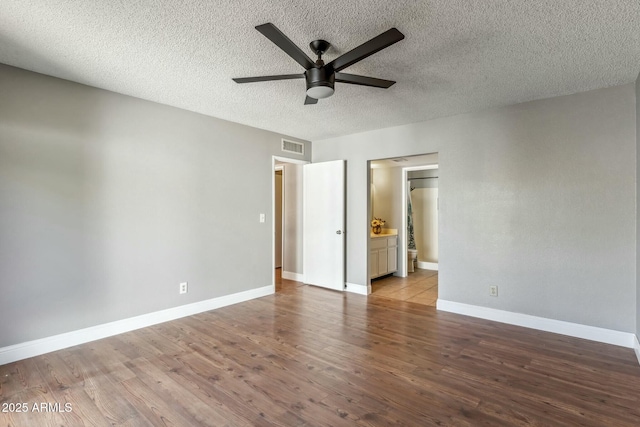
[[268, 78], [272, 32], [363, 81], [309, 100], [366, 49]]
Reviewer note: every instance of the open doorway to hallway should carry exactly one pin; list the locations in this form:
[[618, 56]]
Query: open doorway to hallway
[[287, 193], [403, 255]]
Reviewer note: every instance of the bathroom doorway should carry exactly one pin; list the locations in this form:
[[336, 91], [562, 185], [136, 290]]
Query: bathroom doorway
[[420, 215], [392, 201]]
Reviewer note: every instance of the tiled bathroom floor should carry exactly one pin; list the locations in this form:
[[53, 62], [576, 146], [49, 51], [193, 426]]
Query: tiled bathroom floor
[[420, 287]]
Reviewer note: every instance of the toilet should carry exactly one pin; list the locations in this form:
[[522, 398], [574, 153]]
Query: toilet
[[412, 259]]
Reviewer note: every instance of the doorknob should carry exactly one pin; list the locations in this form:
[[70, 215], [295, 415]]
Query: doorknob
[[338, 232]]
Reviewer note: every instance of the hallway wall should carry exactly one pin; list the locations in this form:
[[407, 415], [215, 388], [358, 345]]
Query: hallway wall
[[278, 213], [293, 233]]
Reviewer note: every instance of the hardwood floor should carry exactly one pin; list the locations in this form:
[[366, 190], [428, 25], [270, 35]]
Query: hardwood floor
[[420, 287], [310, 356], [282, 284]]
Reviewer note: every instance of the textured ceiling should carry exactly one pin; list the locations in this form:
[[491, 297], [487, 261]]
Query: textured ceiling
[[458, 55]]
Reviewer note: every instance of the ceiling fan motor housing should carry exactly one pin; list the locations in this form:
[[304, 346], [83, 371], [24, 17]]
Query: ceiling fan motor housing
[[320, 82]]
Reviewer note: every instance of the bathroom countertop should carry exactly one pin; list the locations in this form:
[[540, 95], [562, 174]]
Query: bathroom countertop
[[386, 232]]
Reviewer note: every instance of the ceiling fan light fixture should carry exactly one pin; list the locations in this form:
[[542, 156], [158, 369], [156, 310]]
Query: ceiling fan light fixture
[[321, 77], [320, 92], [320, 82]]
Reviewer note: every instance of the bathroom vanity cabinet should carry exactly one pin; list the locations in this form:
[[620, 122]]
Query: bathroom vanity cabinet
[[383, 254]]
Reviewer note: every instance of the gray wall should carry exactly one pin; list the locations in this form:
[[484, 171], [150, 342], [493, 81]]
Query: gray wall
[[107, 202], [637, 210], [537, 198]]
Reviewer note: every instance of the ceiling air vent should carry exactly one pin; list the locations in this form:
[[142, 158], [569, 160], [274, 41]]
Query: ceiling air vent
[[293, 147]]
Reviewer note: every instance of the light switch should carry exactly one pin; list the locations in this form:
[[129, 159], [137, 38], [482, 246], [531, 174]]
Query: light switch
[[262, 217]]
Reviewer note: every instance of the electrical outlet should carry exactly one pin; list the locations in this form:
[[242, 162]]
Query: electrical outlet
[[493, 291], [183, 287], [262, 217]]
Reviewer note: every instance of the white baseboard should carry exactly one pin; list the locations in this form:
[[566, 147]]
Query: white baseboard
[[636, 347], [37, 347], [357, 289], [428, 265], [607, 336], [292, 276]]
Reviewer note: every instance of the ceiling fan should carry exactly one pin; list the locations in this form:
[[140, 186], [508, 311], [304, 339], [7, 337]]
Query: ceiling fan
[[321, 77]]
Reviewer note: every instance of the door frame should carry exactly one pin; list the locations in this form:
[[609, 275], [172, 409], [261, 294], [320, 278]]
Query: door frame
[[275, 159], [402, 270]]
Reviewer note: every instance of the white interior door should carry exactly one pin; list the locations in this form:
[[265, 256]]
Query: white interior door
[[324, 219]]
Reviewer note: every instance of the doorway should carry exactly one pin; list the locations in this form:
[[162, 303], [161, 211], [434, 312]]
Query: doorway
[[420, 216], [277, 216], [390, 185], [286, 224]]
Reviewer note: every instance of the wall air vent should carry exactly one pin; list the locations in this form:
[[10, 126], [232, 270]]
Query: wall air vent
[[293, 147]]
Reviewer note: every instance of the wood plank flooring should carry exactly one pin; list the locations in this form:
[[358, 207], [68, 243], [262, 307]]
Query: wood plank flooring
[[310, 356], [420, 287]]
